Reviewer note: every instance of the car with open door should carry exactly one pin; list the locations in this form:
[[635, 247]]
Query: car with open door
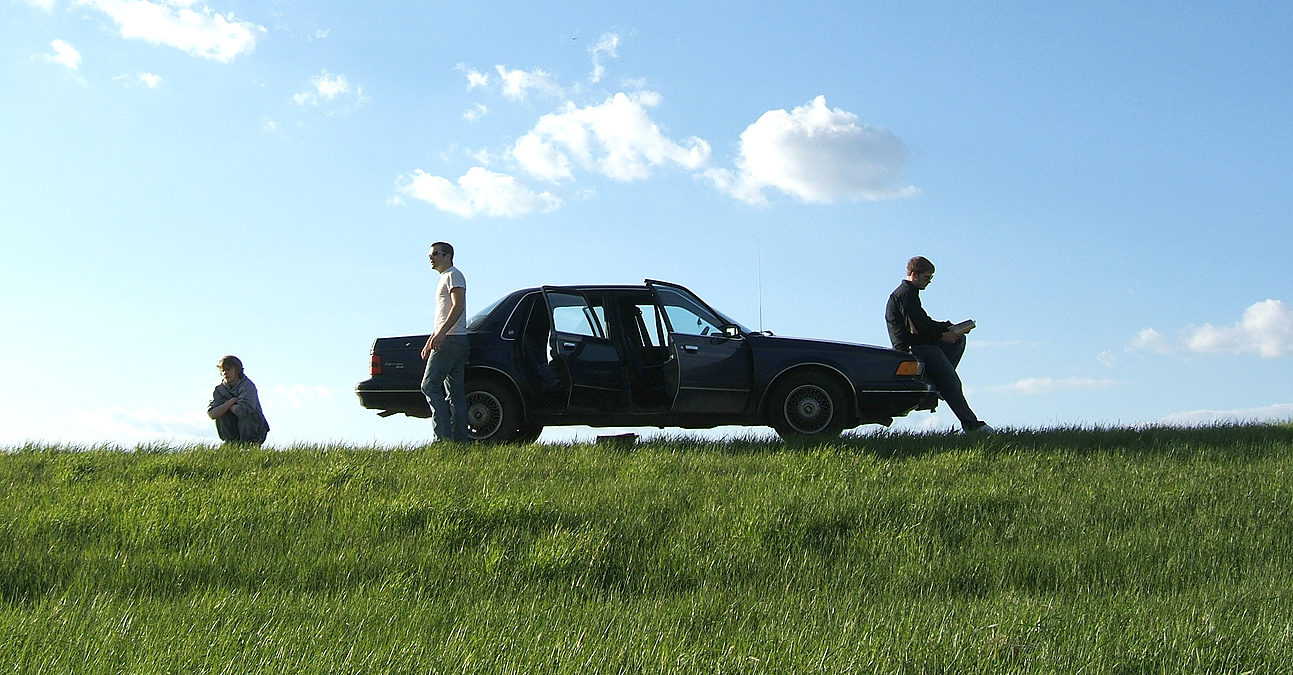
[[654, 355]]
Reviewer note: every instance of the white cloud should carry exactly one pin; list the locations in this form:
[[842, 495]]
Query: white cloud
[[475, 78], [1279, 412], [616, 139], [475, 112], [327, 87], [817, 154], [1151, 340], [174, 23], [64, 55], [478, 192], [606, 46], [518, 84], [148, 80], [296, 396], [1266, 328], [122, 426], [1047, 385]]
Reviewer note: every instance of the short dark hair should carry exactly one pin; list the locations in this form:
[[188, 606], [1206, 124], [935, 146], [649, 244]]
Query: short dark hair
[[444, 246], [919, 265], [229, 361]]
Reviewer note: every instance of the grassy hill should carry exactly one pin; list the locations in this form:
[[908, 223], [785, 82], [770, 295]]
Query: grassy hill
[[1116, 550]]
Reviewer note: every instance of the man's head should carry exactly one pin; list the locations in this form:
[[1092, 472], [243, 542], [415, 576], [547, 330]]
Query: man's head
[[231, 367], [441, 256], [920, 271]]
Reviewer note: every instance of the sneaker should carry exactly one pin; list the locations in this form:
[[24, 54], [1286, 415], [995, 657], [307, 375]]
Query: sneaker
[[981, 428]]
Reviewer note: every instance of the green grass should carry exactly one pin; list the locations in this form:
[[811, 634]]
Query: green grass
[[1101, 551]]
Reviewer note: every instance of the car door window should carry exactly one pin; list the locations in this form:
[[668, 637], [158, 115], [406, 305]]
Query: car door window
[[572, 314], [652, 326], [688, 318]]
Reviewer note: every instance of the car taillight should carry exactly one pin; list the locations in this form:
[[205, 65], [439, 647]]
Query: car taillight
[[909, 369], [376, 368]]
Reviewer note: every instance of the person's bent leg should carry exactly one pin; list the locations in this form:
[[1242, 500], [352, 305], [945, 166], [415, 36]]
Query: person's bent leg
[[954, 351], [250, 429], [227, 427], [433, 389], [940, 371]]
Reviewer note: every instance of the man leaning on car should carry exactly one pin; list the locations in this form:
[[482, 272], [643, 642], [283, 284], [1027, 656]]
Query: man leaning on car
[[938, 343]]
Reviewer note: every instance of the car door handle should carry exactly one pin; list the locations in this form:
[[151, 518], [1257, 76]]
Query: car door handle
[[567, 345], [691, 349]]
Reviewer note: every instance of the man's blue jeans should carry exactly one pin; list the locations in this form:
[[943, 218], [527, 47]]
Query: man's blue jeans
[[446, 370], [940, 370]]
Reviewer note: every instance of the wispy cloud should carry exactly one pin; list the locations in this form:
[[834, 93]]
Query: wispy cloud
[[1034, 386], [295, 396], [125, 426], [148, 80], [478, 192], [606, 47], [517, 85], [616, 138], [64, 55], [326, 88], [1279, 412], [1266, 328], [175, 23], [475, 112], [816, 154]]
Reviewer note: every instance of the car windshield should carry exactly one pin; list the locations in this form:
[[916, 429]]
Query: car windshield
[[479, 317]]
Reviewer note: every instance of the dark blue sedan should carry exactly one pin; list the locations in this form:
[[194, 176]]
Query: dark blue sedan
[[654, 355]]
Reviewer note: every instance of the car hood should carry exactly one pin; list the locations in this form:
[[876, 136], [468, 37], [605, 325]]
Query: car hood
[[813, 343]]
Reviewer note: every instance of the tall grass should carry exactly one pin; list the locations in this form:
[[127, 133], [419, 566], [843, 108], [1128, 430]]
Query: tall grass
[[1097, 550]]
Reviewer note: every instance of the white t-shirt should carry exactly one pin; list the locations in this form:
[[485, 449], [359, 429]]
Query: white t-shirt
[[449, 280]]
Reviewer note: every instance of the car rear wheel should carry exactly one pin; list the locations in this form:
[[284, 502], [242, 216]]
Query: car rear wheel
[[529, 433], [493, 411], [807, 404]]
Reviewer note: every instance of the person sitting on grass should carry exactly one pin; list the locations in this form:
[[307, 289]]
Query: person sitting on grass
[[235, 407]]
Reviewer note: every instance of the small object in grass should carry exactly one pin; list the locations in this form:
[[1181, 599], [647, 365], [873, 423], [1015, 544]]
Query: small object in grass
[[620, 440]]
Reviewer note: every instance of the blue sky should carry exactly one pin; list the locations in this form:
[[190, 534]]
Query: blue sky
[[1106, 188]]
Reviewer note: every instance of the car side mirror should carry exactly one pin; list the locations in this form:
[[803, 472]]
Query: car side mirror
[[732, 331]]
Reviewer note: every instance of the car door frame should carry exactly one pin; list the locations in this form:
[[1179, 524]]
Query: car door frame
[[711, 374], [589, 366]]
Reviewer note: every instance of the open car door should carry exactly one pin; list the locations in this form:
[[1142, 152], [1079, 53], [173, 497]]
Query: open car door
[[583, 355]]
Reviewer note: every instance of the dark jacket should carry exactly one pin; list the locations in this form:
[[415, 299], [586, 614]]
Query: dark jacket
[[908, 323]]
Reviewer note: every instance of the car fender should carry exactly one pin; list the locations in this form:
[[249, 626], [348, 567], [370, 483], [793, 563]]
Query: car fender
[[491, 371], [811, 366]]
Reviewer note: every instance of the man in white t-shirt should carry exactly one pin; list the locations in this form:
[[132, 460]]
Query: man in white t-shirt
[[446, 349]]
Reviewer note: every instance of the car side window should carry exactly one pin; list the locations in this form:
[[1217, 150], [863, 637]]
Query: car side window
[[572, 314], [652, 325], [688, 318]]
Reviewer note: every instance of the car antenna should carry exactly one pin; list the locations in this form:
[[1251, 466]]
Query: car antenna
[[758, 257]]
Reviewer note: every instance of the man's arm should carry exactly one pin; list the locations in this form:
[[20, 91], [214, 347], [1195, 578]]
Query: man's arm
[[457, 304], [216, 410], [921, 324]]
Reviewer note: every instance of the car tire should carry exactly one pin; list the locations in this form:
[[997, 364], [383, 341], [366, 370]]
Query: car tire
[[807, 405], [493, 411], [529, 433]]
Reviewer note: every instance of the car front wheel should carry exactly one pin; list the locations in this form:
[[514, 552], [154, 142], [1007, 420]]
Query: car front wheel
[[493, 412], [807, 405]]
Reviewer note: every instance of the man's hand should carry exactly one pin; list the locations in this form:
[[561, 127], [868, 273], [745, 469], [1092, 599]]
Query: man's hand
[[433, 343]]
